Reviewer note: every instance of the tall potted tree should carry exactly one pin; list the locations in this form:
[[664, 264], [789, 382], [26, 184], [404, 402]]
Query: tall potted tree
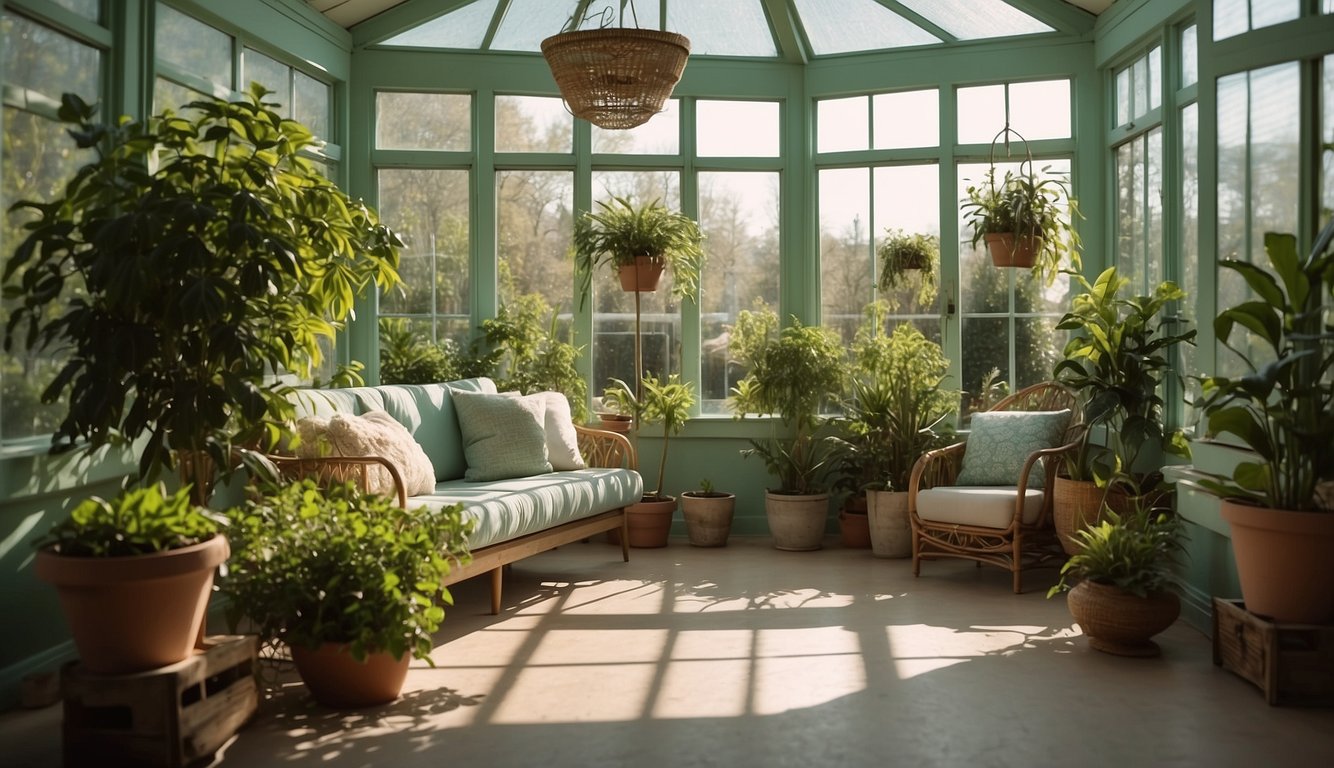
[[1281, 505], [666, 402], [193, 258], [1116, 360], [792, 374]]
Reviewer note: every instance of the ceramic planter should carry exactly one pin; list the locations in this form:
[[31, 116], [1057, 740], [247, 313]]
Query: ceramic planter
[[1007, 250], [642, 276], [1119, 622], [1284, 562], [132, 614], [708, 517], [650, 521], [797, 521], [615, 422], [891, 532], [339, 681]]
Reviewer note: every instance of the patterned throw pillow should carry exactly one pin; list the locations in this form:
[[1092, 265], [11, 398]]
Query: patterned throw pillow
[[503, 436], [999, 442], [374, 433]]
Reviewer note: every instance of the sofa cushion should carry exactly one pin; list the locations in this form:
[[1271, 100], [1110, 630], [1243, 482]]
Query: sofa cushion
[[427, 410], [506, 509], [988, 507], [503, 436], [999, 442], [375, 433]]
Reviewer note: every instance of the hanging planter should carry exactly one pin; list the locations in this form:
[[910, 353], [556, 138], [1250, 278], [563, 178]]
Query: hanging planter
[[642, 275]]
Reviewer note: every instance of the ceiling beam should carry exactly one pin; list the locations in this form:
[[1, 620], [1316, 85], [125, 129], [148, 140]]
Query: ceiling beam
[[792, 46], [918, 19], [1059, 14]]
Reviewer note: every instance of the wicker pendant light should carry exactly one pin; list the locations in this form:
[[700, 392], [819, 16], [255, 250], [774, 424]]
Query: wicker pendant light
[[615, 77]]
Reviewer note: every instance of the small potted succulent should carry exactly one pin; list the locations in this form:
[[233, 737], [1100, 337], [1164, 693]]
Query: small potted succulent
[[350, 582], [708, 515]]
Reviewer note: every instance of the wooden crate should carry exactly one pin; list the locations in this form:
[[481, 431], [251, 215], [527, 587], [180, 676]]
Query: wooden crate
[[1291, 663], [167, 717]]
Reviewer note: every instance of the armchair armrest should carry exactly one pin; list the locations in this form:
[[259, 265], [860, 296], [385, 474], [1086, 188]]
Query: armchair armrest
[[933, 468], [340, 469], [603, 448]]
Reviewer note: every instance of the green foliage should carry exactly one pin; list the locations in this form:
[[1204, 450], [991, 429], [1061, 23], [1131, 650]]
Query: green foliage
[[894, 409], [526, 353], [909, 262], [1027, 206], [1116, 361], [1135, 553], [139, 521], [407, 358], [311, 566], [1283, 410], [621, 231], [792, 375], [210, 255], [666, 402]]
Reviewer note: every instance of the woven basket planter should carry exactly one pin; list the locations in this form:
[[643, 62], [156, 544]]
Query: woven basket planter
[[617, 77], [1119, 622]]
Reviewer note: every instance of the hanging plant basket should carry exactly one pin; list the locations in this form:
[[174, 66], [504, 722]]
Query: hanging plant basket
[[1009, 250], [642, 276], [618, 77]]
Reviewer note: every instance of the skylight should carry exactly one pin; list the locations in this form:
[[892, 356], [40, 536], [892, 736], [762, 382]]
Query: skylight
[[830, 29], [976, 19]]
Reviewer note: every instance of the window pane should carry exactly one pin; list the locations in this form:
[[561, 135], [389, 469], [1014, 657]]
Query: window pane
[[1190, 226], [533, 228], [827, 27], [1232, 188], [1155, 84], [722, 29], [423, 121], [907, 197], [528, 22], [1328, 137], [738, 213], [272, 74], [169, 95], [1265, 13], [843, 124], [1153, 204], [41, 59], [846, 267], [1123, 115], [1275, 152], [85, 8], [614, 309], [1129, 176], [312, 105], [977, 19], [661, 135], [193, 46], [717, 133], [1231, 17], [1139, 82], [909, 119], [429, 210], [464, 27], [981, 113], [1190, 57], [533, 124], [1041, 110]]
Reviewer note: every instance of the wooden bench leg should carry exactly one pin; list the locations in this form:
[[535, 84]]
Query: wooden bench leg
[[625, 537], [497, 583]]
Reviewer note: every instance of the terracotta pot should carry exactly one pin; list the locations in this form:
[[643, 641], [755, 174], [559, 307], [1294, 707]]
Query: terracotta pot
[[615, 422], [797, 521], [337, 680], [854, 526], [132, 614], [891, 533], [708, 518], [1077, 504], [1119, 622], [642, 276], [649, 522], [1010, 251], [1284, 562]]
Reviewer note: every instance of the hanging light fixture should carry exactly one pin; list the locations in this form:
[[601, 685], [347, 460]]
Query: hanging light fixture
[[615, 77]]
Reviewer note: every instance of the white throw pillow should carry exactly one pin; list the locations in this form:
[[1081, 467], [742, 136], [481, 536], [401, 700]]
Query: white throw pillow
[[562, 440], [375, 433]]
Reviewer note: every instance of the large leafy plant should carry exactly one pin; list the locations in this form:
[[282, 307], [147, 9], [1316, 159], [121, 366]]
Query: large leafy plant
[[1117, 359], [1283, 409], [1135, 552], [793, 373], [139, 521], [619, 231], [197, 255], [312, 566]]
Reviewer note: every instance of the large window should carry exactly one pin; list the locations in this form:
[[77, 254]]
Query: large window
[[38, 64], [1139, 171]]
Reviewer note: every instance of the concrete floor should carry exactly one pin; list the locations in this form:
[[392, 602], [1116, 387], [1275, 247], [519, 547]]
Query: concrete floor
[[747, 656]]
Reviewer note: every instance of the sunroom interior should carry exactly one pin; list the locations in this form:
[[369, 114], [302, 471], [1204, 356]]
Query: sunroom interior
[[800, 133]]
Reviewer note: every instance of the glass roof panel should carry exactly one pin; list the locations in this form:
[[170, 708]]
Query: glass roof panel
[[977, 19], [722, 29], [463, 27], [528, 22], [842, 26]]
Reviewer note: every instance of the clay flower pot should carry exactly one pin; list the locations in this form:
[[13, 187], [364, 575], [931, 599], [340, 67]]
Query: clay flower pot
[[650, 521], [1010, 251], [708, 517], [642, 276], [339, 681]]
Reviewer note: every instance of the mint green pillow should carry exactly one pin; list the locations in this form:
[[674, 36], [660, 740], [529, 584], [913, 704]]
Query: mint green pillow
[[999, 442], [503, 436]]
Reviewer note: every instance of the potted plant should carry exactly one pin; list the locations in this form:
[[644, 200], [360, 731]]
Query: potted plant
[[1281, 505], [638, 241], [207, 254], [896, 411], [1022, 218], [1121, 574], [134, 575], [708, 515], [1116, 359], [617, 411], [909, 264], [792, 374], [351, 583], [666, 402]]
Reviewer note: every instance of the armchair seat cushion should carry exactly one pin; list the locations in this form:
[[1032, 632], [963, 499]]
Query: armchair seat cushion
[[982, 506]]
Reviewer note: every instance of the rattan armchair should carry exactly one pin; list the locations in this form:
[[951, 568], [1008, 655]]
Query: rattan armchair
[[1010, 527]]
